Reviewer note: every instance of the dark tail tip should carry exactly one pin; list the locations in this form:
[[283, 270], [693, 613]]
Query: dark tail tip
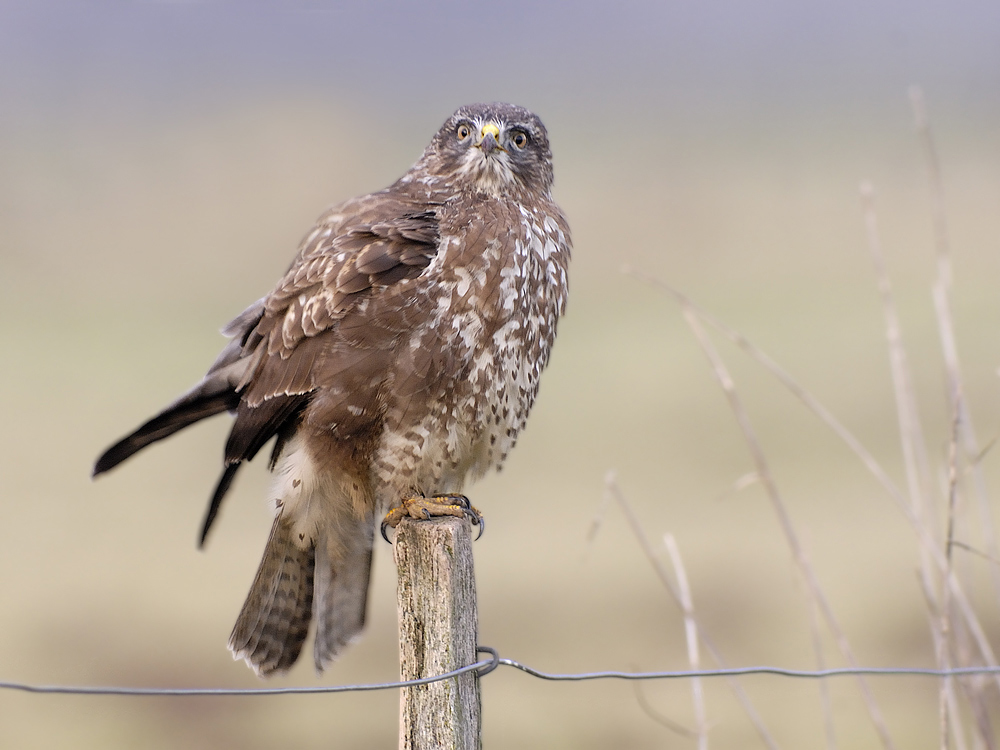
[[225, 482], [114, 456], [185, 411]]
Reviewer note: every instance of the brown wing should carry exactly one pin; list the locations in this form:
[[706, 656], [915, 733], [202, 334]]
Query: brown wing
[[319, 330], [340, 263], [323, 335]]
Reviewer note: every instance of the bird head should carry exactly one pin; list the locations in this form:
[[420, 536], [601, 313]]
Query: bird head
[[498, 149]]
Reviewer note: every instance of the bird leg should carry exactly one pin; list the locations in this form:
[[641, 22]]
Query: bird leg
[[423, 508]]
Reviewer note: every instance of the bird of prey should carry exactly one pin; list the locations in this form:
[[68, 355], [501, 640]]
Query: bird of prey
[[397, 358]]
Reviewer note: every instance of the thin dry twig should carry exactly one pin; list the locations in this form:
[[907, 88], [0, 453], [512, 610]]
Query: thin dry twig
[[939, 216], [911, 431], [978, 458], [659, 718], [855, 445], [914, 454], [763, 470], [691, 636], [934, 614], [943, 307], [824, 689], [963, 433], [948, 716], [614, 493], [747, 480], [973, 550], [793, 386]]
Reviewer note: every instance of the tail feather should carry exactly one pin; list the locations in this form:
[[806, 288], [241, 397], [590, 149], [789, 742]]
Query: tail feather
[[274, 621], [221, 390], [225, 482], [189, 409], [330, 577], [343, 571], [216, 393]]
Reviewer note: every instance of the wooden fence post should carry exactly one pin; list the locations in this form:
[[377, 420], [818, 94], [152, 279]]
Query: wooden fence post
[[436, 599]]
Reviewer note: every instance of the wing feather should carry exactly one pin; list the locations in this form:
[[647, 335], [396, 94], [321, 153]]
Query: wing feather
[[316, 329]]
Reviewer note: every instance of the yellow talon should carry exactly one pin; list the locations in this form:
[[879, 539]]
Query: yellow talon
[[436, 506]]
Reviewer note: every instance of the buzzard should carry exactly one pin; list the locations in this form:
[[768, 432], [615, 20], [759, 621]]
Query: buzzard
[[397, 358]]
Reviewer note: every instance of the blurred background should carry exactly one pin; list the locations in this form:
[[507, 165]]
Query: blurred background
[[159, 162]]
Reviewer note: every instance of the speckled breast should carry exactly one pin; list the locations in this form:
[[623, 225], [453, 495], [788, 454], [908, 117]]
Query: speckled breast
[[470, 374]]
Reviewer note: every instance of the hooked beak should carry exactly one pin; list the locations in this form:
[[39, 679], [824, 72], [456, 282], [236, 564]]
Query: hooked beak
[[489, 139]]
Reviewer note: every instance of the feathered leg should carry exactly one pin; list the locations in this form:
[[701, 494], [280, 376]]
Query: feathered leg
[[343, 570]]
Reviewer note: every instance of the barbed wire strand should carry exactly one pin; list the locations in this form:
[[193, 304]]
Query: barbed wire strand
[[485, 666]]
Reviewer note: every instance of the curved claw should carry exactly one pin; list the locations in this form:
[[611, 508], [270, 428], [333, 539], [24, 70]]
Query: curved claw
[[382, 527], [477, 520], [468, 510]]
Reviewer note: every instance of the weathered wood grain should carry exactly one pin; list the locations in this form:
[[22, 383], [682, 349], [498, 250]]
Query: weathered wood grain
[[436, 597]]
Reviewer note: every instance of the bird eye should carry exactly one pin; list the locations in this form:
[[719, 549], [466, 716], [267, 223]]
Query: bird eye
[[463, 131], [520, 139]]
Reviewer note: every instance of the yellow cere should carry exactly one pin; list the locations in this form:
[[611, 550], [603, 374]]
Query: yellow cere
[[490, 128]]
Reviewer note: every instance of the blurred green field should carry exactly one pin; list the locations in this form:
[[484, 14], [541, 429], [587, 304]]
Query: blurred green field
[[128, 243]]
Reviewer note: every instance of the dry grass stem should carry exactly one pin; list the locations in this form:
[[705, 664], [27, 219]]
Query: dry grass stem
[[943, 307], [613, 492], [914, 460], [962, 437], [938, 512], [691, 636], [948, 716], [864, 455], [973, 550], [938, 214], [797, 390], [791, 537], [933, 609], [979, 703], [655, 715], [747, 480], [978, 458], [911, 432], [826, 703]]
